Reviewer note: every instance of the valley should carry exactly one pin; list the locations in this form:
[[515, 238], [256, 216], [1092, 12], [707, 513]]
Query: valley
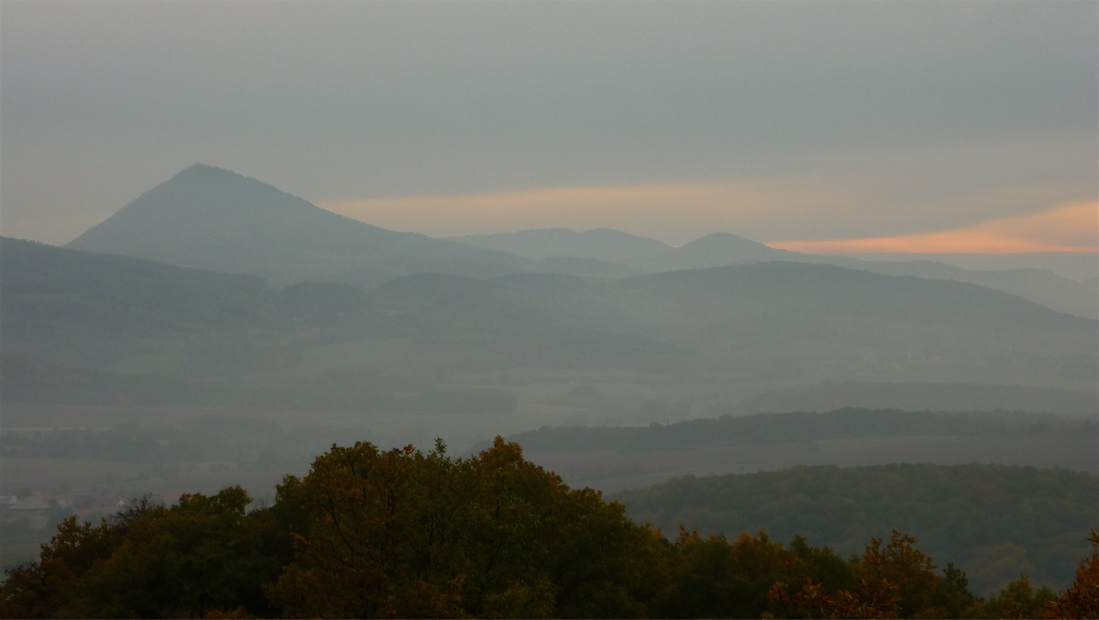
[[176, 359]]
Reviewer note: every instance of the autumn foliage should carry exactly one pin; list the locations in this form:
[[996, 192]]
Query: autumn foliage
[[407, 534], [403, 533]]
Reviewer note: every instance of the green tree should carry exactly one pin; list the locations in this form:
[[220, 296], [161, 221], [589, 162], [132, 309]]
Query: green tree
[[952, 598], [1019, 599], [204, 554], [402, 533], [54, 585]]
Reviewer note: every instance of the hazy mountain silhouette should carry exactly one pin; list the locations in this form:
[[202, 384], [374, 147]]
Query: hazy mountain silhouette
[[90, 309], [601, 244], [721, 333], [828, 289], [1071, 265], [721, 249], [802, 320], [642, 253], [210, 218], [920, 397], [1079, 297]]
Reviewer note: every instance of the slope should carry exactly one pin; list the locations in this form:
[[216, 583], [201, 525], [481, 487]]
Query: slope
[[818, 322], [1040, 285], [995, 522], [210, 218], [65, 313]]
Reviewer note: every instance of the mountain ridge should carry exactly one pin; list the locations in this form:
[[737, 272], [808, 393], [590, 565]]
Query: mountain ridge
[[211, 218], [1040, 285], [207, 217]]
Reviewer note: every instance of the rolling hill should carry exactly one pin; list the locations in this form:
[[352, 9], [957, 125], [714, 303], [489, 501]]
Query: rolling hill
[[631, 251], [1074, 296], [754, 326], [992, 521]]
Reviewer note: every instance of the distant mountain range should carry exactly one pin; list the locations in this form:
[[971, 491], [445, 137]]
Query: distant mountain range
[[211, 218], [756, 324], [353, 315], [215, 300], [648, 255], [1079, 297]]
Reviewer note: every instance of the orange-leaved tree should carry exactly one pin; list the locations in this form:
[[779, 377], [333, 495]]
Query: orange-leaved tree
[[1082, 599]]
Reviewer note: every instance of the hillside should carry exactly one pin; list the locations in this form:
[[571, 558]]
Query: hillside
[[408, 533], [994, 522], [211, 218], [1079, 296], [635, 252], [598, 244], [799, 320], [1074, 296], [764, 325], [612, 458], [919, 397], [68, 315], [88, 309]]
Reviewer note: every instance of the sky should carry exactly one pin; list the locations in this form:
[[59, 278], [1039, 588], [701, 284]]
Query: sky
[[853, 126]]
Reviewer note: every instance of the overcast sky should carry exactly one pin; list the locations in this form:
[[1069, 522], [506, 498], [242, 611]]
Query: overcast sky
[[941, 126]]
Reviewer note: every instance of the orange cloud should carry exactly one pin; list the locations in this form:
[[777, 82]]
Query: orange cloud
[[1070, 227], [675, 212]]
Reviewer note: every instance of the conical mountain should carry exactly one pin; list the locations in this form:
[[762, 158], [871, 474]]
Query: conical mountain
[[211, 218]]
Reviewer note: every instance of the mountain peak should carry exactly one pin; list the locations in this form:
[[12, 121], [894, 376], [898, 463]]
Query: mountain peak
[[212, 218], [723, 239], [199, 170], [724, 248]]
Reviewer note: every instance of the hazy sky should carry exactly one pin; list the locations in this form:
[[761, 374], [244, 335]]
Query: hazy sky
[[934, 126]]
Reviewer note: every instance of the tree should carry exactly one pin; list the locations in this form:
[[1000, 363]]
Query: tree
[[1082, 599], [53, 586], [204, 554], [1019, 599], [894, 581], [402, 533], [898, 578]]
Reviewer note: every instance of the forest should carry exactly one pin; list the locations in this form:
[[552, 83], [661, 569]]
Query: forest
[[403, 533]]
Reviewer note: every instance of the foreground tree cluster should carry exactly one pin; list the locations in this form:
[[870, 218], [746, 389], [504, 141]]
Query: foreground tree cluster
[[407, 534]]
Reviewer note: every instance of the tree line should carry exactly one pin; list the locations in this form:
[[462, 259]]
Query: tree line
[[996, 521], [403, 533]]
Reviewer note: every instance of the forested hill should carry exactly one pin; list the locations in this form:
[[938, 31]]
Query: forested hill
[[788, 287], [913, 396], [615, 458], [774, 428], [403, 533], [993, 521]]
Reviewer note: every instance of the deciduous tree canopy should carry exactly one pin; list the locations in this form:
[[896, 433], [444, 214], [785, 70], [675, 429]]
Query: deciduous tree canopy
[[401, 533]]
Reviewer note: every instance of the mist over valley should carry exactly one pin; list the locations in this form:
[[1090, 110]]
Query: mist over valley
[[217, 331]]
